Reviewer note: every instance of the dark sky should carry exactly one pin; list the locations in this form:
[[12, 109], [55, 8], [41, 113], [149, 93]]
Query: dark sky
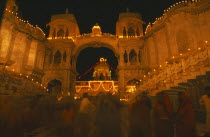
[[87, 13]]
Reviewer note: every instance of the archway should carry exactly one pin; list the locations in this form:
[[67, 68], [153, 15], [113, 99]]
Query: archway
[[89, 56], [54, 86]]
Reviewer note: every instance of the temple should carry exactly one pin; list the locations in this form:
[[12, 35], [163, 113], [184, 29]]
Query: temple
[[165, 65], [170, 51]]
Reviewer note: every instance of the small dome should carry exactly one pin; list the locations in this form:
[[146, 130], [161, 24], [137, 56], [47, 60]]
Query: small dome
[[102, 71], [96, 30]]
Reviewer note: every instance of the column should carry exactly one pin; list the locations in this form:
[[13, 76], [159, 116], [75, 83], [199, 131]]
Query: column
[[121, 81]]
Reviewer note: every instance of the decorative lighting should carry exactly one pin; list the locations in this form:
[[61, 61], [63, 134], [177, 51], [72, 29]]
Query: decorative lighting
[[188, 49], [199, 48], [206, 42], [180, 54]]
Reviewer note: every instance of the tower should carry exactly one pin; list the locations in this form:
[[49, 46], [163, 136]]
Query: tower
[[63, 26], [129, 30], [58, 64], [129, 24]]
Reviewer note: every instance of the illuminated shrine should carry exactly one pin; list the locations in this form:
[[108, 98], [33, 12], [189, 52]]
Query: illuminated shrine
[[101, 82]]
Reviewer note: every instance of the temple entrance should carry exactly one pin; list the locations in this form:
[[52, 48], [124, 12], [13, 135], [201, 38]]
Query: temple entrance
[[88, 58], [54, 86], [97, 71]]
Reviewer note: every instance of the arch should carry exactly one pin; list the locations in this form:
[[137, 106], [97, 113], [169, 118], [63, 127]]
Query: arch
[[64, 56], [54, 86], [134, 81], [90, 56], [131, 31], [126, 57], [133, 57], [79, 48], [57, 57], [124, 32], [60, 34]]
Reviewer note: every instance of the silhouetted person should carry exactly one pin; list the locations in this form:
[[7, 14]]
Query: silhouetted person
[[205, 100], [140, 117], [85, 116], [163, 116], [185, 123], [107, 116]]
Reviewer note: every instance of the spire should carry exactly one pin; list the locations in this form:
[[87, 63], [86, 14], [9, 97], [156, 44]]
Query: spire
[[67, 11]]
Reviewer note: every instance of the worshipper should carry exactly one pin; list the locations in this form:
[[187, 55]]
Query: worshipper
[[140, 117], [85, 119], [163, 116], [185, 120], [205, 100], [107, 116]]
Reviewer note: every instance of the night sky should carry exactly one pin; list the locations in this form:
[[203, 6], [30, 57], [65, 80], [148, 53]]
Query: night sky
[[87, 13]]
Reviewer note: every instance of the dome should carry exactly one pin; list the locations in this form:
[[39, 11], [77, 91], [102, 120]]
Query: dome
[[102, 65], [96, 30], [102, 71]]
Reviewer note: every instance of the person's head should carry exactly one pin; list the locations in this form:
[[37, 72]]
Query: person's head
[[207, 91]]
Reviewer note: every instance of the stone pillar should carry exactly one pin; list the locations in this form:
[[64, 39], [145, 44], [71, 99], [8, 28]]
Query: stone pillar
[[121, 81]]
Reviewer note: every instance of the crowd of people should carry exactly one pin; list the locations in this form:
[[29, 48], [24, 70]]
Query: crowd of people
[[105, 115], [101, 116]]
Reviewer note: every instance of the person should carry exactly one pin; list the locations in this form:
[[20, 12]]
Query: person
[[163, 116], [107, 116], [205, 100], [86, 110], [185, 121], [140, 117]]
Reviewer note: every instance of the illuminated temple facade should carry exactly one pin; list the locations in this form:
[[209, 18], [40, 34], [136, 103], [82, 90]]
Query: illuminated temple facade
[[152, 57]]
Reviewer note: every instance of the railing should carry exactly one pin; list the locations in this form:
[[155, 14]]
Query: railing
[[150, 82], [11, 82]]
